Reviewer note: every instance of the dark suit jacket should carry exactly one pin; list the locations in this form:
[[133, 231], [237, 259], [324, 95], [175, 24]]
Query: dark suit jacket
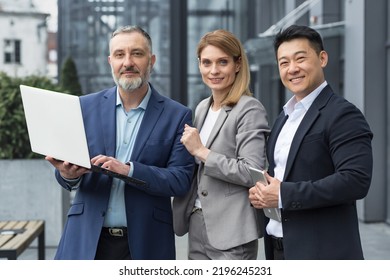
[[159, 159], [329, 167]]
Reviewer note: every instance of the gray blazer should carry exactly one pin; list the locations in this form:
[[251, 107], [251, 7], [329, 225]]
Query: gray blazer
[[237, 141]]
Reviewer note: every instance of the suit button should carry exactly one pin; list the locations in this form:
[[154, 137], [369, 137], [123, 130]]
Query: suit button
[[205, 193], [293, 204]]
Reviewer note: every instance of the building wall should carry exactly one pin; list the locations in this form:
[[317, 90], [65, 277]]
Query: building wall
[[84, 31], [31, 30], [366, 35], [358, 69], [386, 132], [29, 191]]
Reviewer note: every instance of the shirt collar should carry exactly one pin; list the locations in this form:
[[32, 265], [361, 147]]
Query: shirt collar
[[142, 105], [306, 102]]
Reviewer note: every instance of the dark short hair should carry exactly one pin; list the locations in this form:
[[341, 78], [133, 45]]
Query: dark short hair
[[299, 32]]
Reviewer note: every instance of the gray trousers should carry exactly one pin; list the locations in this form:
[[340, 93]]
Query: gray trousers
[[199, 247]]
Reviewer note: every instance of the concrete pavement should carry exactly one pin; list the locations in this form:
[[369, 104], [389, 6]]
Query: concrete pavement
[[375, 241]]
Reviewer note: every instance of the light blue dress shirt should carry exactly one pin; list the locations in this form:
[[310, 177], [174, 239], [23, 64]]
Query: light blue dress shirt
[[127, 127]]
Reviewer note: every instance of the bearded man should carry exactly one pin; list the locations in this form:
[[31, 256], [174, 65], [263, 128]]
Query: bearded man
[[135, 131]]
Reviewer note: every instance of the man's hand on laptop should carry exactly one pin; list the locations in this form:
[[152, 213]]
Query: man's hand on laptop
[[67, 169], [111, 164]]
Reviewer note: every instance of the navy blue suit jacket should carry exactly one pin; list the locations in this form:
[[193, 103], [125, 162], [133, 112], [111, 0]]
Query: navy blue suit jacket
[[159, 159], [329, 167]]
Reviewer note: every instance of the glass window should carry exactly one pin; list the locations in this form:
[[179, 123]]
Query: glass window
[[12, 51]]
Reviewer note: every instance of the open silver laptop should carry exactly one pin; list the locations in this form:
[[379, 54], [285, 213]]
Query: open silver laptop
[[56, 128], [258, 175]]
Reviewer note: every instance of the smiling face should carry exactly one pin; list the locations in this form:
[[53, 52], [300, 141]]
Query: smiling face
[[300, 67], [131, 60], [218, 69]]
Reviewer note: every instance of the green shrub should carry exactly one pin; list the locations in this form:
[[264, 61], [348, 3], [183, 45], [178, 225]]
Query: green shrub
[[69, 79], [14, 141]]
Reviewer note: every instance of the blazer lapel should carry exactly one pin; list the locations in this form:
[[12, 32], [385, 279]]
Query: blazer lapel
[[108, 121], [307, 121], [277, 127], [218, 125], [152, 114], [201, 115]]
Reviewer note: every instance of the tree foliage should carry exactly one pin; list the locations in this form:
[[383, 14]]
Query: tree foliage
[[14, 141], [69, 78]]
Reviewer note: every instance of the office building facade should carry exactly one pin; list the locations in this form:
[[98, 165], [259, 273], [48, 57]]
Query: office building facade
[[356, 35], [23, 39]]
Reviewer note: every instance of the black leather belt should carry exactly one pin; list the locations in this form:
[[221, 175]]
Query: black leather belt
[[115, 231], [277, 243]]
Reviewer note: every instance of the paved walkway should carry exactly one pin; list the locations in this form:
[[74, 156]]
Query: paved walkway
[[375, 240]]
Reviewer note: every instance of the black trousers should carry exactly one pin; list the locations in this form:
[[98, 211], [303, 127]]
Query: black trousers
[[278, 248], [113, 245]]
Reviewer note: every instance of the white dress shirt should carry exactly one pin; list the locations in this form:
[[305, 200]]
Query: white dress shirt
[[295, 112]]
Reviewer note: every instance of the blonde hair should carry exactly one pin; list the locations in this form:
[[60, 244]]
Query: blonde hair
[[228, 43]]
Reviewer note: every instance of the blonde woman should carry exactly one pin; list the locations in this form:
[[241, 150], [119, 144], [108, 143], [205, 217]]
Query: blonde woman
[[229, 135]]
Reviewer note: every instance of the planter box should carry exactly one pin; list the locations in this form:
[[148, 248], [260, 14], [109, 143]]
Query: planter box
[[29, 191]]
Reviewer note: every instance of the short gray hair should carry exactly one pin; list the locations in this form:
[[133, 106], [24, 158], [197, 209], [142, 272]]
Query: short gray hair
[[133, 28]]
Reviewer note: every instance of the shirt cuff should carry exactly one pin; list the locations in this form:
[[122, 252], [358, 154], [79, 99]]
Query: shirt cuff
[[131, 171], [73, 184]]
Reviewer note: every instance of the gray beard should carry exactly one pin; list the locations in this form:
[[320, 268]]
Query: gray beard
[[129, 85], [133, 84]]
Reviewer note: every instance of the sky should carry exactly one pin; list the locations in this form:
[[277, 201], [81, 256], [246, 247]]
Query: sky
[[50, 7]]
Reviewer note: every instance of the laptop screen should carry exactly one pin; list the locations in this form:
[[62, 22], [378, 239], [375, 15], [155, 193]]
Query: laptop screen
[[55, 125]]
